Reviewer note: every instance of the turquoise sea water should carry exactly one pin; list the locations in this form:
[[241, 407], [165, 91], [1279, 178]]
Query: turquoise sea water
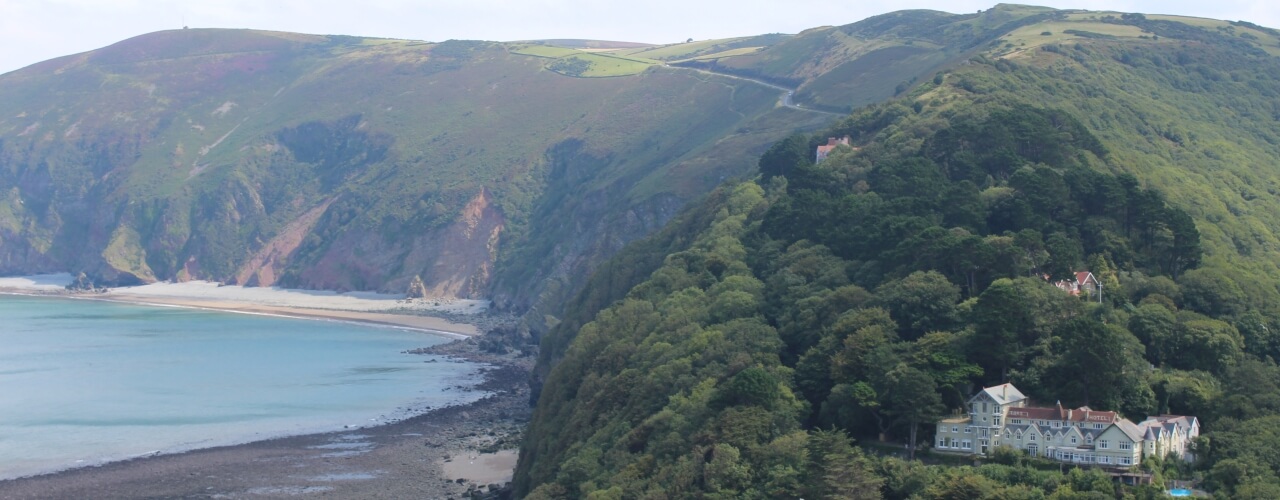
[[86, 382]]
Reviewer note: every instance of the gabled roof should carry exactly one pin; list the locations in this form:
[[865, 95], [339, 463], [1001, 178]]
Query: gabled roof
[[1173, 425], [1182, 421], [1084, 276], [1129, 429], [1002, 394]]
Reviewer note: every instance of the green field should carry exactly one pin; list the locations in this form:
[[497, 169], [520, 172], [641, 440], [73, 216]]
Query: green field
[[677, 51], [727, 53], [1031, 37], [538, 50]]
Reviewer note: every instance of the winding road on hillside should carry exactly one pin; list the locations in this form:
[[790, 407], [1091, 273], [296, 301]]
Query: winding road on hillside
[[787, 98]]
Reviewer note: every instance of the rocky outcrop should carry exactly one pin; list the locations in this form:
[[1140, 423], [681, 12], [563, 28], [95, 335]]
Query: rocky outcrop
[[417, 289]]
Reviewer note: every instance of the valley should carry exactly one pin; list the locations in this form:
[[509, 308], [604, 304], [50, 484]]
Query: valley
[[703, 307]]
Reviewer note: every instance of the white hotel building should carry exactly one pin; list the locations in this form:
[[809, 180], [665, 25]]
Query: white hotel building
[[1000, 415]]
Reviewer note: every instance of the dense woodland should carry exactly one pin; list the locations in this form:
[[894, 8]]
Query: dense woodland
[[779, 331]]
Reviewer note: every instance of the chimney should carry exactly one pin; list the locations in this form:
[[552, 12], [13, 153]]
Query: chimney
[[1004, 391]]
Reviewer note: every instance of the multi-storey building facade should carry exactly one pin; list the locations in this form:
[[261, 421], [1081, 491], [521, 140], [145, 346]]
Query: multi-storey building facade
[[1000, 415]]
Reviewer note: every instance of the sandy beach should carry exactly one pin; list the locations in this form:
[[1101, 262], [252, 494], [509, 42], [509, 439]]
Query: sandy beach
[[364, 307]]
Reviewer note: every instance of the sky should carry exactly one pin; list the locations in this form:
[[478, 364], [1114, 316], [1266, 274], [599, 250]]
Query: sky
[[36, 30]]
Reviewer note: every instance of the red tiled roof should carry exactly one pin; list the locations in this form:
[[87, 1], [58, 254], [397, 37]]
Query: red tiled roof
[[1082, 414]]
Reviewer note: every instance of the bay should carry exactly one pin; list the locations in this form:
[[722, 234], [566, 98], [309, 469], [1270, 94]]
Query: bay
[[87, 382]]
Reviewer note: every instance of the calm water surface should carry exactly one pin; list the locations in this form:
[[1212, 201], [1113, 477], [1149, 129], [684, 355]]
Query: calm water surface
[[84, 382]]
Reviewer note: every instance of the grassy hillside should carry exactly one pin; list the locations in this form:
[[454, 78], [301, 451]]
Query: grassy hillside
[[843, 67], [736, 353], [354, 163]]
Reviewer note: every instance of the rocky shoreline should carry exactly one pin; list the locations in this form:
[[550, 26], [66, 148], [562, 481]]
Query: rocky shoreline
[[405, 459]]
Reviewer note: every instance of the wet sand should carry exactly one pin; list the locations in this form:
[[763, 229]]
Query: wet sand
[[482, 468], [427, 324]]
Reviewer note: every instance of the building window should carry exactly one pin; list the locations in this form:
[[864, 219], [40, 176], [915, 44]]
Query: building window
[[1088, 440], [1015, 421], [1032, 450], [1104, 460], [966, 444], [1057, 424], [1126, 461], [955, 428], [1073, 440], [995, 421], [968, 429], [1097, 426], [995, 409], [1126, 446], [984, 407], [1032, 437], [942, 443], [1102, 444]]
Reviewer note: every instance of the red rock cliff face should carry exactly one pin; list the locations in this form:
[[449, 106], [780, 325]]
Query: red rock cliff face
[[454, 261], [458, 261], [268, 263]]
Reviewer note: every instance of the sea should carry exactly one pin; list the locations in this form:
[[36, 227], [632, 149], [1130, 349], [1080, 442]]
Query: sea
[[86, 382]]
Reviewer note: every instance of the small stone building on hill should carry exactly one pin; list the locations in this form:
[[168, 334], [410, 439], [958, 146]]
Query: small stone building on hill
[[831, 144]]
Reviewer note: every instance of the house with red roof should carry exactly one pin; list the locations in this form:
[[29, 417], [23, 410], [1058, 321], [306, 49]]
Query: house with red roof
[[830, 146], [1082, 282]]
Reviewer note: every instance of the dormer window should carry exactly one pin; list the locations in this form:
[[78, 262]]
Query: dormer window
[[1088, 440]]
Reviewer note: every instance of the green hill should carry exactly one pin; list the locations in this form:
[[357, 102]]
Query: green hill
[[736, 352], [356, 164]]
